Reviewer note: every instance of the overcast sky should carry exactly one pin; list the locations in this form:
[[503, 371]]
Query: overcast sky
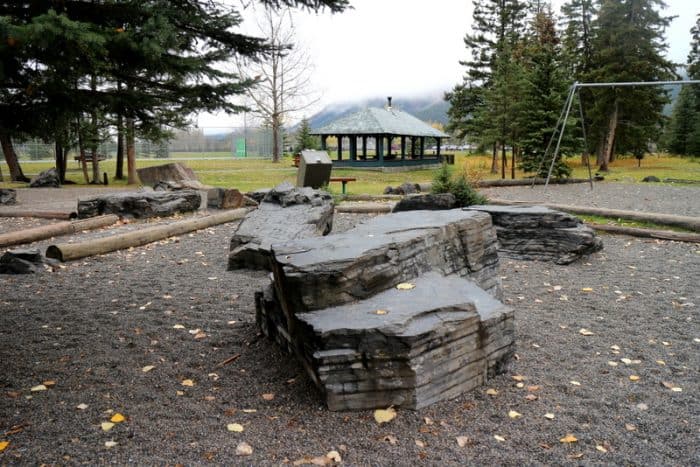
[[404, 48]]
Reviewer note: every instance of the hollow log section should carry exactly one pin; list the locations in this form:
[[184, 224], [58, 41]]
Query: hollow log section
[[54, 230], [71, 251]]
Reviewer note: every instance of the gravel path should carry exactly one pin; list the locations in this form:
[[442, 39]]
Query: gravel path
[[94, 325]]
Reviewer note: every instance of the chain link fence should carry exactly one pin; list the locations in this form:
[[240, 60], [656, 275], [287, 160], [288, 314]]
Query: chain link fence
[[250, 142]]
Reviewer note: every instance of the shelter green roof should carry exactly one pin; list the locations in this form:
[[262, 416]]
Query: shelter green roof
[[376, 121]]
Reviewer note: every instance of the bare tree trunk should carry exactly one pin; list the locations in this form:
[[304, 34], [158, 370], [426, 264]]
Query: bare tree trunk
[[494, 159], [8, 150], [609, 138], [81, 151], [504, 160], [512, 163], [275, 138], [58, 149], [131, 152], [94, 136], [119, 174]]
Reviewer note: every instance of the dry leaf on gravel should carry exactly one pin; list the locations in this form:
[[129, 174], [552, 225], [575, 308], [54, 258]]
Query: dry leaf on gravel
[[634, 378], [585, 332], [630, 427], [235, 427], [3, 445], [391, 439], [549, 416], [569, 438], [81, 406], [575, 383], [106, 426], [601, 448], [406, 286], [518, 378], [117, 418], [187, 382], [147, 368], [39, 387], [531, 397], [514, 415], [380, 312], [499, 438], [492, 392], [384, 415], [244, 449], [110, 444], [268, 396], [419, 443], [463, 441]]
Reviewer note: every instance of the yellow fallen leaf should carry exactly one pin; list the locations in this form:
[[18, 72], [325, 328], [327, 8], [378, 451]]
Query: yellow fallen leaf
[[514, 415], [419, 443], [81, 406], [334, 456], [249, 410], [235, 427], [587, 289], [106, 426], [492, 392], [117, 418], [615, 347], [110, 444], [520, 385], [585, 332], [178, 326], [676, 389], [187, 382], [381, 312], [499, 438], [268, 396], [406, 286], [50, 383], [634, 378], [147, 368], [611, 363], [569, 438], [39, 387], [3, 445], [601, 448], [661, 362], [462, 441], [575, 383], [626, 361], [549, 416], [518, 378], [244, 449], [384, 415]]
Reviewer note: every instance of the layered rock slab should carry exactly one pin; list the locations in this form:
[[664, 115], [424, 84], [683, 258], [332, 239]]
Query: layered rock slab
[[375, 256], [541, 233], [140, 204], [285, 213], [407, 348]]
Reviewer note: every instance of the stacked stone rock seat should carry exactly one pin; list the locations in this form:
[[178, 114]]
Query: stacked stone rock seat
[[541, 233], [140, 204], [333, 302]]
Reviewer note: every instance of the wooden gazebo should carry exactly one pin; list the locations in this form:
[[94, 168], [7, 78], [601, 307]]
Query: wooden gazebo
[[372, 135]]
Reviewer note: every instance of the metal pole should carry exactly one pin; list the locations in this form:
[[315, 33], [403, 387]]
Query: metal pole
[[637, 83], [561, 134], [585, 141], [551, 139]]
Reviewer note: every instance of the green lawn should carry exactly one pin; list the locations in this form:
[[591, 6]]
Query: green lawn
[[222, 169]]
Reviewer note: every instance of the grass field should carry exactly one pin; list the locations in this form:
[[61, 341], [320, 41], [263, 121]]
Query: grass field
[[221, 169]]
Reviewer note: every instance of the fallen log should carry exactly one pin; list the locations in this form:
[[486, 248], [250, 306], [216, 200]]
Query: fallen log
[[63, 215], [527, 182], [71, 251], [685, 222], [54, 230], [647, 233], [365, 208]]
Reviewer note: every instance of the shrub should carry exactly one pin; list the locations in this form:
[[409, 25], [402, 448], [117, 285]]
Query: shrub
[[463, 192]]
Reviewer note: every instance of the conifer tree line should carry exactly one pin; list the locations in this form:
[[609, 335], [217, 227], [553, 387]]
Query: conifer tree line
[[73, 72], [522, 59]]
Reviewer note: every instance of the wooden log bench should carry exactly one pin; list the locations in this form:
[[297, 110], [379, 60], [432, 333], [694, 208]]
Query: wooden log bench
[[343, 180], [88, 158]]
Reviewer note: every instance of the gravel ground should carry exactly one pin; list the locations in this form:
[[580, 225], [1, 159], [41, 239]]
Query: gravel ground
[[93, 325]]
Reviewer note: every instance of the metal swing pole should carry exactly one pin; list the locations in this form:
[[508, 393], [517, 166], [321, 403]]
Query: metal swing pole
[[556, 128], [585, 140], [561, 134]]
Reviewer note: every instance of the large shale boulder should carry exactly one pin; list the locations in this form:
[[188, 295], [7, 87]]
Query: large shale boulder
[[8, 196], [173, 172], [140, 204], [428, 201], [334, 302], [24, 261], [46, 179], [285, 213], [540, 233]]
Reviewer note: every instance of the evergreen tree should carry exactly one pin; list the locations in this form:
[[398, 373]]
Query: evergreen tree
[[693, 143], [543, 97], [629, 45], [305, 140], [684, 119]]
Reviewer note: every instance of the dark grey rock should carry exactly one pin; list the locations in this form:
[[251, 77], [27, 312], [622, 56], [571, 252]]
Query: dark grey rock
[[170, 185], [651, 178], [286, 213], [23, 261], [405, 188], [225, 198], [408, 348], [140, 204], [258, 195], [46, 179], [540, 233], [8, 196], [428, 201], [173, 172]]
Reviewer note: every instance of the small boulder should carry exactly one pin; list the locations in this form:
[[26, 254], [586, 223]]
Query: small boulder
[[651, 178], [429, 202], [23, 261], [46, 179], [8, 196], [174, 172]]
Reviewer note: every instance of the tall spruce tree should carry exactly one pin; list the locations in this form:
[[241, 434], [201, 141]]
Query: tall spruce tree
[[693, 143], [544, 94], [629, 45]]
